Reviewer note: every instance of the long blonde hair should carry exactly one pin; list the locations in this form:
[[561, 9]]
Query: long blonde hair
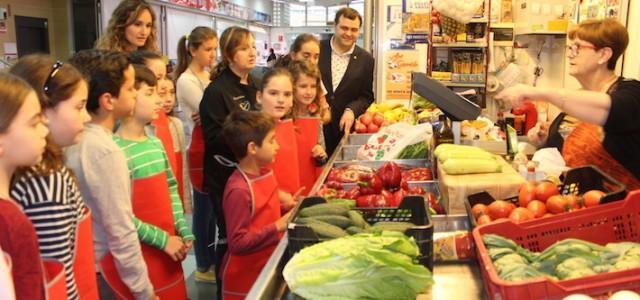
[[124, 15]]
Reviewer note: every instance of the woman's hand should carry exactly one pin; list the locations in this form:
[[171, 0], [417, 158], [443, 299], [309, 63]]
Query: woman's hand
[[517, 95], [196, 117], [539, 134]]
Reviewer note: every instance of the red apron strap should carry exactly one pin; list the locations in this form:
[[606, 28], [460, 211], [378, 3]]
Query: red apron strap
[[584, 147], [163, 133], [285, 166], [151, 204], [196, 159], [307, 132], [241, 271], [84, 262], [55, 285]]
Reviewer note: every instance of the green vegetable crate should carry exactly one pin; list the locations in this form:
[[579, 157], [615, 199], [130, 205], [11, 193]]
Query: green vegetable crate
[[607, 223], [576, 181], [412, 209]]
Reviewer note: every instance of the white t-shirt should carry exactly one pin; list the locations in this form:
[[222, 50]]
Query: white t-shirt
[[189, 90]]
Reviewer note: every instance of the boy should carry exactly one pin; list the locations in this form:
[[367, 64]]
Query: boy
[[250, 203], [101, 169], [157, 208]]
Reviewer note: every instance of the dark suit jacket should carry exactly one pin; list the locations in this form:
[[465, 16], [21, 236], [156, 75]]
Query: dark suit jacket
[[355, 90]]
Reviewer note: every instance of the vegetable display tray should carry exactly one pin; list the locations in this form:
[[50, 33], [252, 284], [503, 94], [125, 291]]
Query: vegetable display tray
[[357, 138], [612, 222], [577, 181], [411, 209]]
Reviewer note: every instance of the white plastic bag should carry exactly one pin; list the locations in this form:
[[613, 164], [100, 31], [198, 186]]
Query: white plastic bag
[[459, 10], [389, 142]]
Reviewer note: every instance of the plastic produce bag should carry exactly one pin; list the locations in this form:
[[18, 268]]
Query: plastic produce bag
[[390, 141], [459, 10]]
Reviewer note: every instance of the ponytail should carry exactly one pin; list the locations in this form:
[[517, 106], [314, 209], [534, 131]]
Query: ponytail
[[219, 69], [184, 56]]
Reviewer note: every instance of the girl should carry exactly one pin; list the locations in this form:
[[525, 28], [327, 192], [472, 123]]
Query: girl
[[306, 115], [22, 143], [196, 56], [131, 27], [165, 236], [231, 89], [177, 134], [48, 192], [306, 47]]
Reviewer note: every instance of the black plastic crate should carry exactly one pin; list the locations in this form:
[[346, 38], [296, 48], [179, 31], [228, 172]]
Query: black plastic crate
[[576, 181], [412, 209]]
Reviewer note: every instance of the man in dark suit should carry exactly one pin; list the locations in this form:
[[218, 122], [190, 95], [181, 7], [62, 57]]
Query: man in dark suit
[[347, 73]]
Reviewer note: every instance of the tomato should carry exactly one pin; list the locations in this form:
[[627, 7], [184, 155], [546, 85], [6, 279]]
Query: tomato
[[572, 202], [592, 198], [360, 128], [366, 118], [520, 214], [527, 193], [484, 219], [500, 209], [373, 128], [378, 119], [479, 210], [557, 204], [537, 207], [546, 189]]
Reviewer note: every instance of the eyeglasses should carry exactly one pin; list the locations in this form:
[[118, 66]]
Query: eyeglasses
[[54, 71], [574, 49]]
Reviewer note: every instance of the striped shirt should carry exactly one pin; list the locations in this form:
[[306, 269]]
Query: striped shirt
[[54, 205], [145, 159]]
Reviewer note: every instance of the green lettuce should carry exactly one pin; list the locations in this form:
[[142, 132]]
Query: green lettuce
[[379, 265]]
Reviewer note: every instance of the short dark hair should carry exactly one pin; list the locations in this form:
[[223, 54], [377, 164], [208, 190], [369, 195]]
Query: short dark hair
[[243, 127], [348, 13], [144, 75], [105, 70], [141, 57]]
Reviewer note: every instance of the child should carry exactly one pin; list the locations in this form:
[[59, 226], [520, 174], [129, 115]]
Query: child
[[179, 143], [250, 203], [22, 142], [160, 128], [307, 113], [165, 236], [48, 192], [276, 98], [101, 169]]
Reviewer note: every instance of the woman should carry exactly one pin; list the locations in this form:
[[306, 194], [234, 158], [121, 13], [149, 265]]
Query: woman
[[607, 133], [131, 27]]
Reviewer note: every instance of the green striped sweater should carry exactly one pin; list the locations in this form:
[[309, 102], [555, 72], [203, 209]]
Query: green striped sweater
[[147, 158]]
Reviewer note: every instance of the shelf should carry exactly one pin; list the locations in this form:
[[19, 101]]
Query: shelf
[[479, 20], [460, 45], [503, 43], [463, 84], [501, 25]]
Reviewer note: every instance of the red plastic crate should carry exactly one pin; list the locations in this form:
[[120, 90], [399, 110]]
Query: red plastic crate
[[612, 222]]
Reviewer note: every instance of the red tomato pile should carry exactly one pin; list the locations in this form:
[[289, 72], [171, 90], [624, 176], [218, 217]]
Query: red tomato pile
[[535, 200], [370, 122]]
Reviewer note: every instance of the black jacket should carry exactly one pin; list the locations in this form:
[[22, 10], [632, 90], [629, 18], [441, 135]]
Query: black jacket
[[355, 90]]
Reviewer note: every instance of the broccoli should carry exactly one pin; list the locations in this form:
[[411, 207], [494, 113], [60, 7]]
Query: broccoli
[[575, 267]]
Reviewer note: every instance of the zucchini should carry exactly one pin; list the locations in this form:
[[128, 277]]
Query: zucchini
[[340, 221], [326, 230], [325, 209], [357, 219], [354, 230], [457, 166], [349, 203], [390, 226]]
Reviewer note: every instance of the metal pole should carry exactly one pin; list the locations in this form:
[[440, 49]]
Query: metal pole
[[368, 24]]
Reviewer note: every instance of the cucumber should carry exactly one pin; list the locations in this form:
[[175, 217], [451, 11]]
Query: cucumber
[[325, 209], [450, 147], [349, 203], [340, 221], [354, 230], [455, 154], [357, 219], [390, 226], [326, 230]]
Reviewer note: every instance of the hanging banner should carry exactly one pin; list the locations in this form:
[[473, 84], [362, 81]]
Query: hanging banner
[[400, 64]]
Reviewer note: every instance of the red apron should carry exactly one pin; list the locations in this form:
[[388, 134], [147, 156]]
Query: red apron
[[54, 280], [196, 159], [163, 133], [241, 271], [151, 203], [285, 166], [6, 280], [584, 147], [307, 132], [84, 262]]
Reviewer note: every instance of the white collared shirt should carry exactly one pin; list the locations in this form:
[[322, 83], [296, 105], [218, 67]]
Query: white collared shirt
[[339, 63]]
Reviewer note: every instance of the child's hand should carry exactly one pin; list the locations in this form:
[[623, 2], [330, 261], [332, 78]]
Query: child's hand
[[196, 117], [281, 224], [174, 248], [187, 246], [318, 152]]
